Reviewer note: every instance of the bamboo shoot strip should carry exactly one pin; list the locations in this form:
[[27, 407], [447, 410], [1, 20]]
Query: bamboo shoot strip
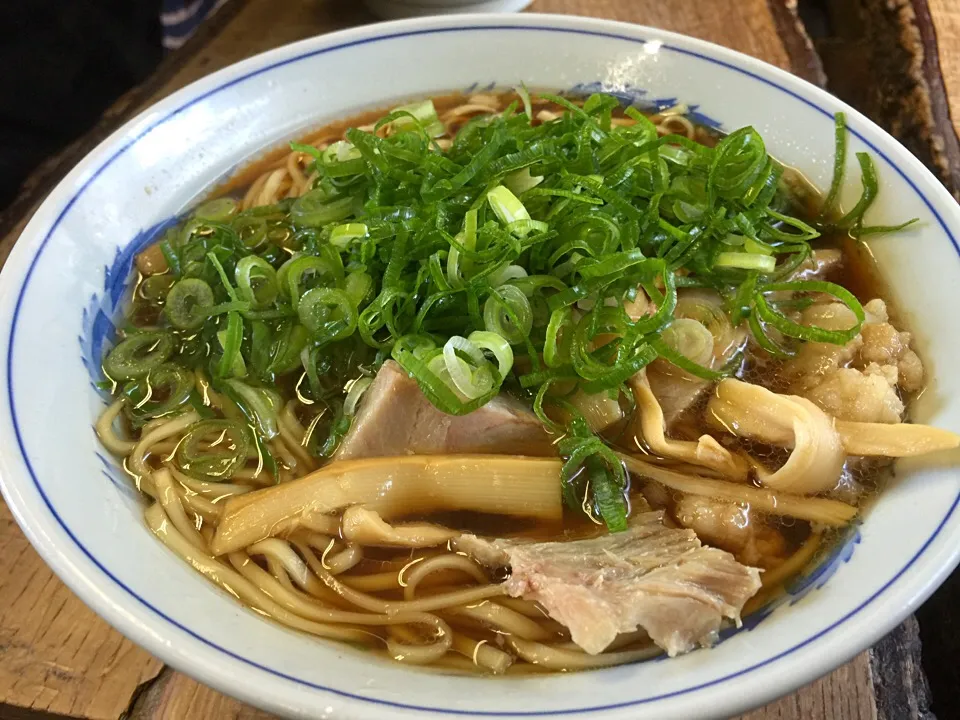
[[821, 510], [394, 487]]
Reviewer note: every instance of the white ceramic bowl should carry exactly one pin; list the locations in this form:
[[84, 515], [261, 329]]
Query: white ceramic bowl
[[62, 282]]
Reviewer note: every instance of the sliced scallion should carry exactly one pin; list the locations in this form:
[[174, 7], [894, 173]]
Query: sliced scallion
[[138, 354], [188, 303]]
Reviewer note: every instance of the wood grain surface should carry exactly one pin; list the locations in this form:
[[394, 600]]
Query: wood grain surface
[[55, 654], [945, 15], [56, 657]]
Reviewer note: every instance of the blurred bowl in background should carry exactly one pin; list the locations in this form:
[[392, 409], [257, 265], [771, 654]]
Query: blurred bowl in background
[[393, 9]]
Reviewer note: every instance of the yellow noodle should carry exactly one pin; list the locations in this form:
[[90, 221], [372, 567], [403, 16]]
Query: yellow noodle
[[169, 498], [524, 607], [253, 192], [556, 658], [374, 604], [403, 646], [202, 507], [236, 584], [298, 179], [293, 443], [137, 457], [481, 653], [442, 562], [104, 427], [288, 416], [502, 619], [213, 491], [281, 452], [677, 124]]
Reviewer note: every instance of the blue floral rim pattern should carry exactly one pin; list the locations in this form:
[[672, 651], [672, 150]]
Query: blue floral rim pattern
[[827, 567]]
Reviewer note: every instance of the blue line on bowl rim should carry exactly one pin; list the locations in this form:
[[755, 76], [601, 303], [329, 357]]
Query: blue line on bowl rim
[[394, 36]]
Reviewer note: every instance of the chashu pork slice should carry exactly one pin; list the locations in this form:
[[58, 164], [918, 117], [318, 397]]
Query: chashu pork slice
[[396, 418], [650, 576]]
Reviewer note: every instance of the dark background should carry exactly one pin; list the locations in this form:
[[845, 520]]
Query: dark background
[[63, 62]]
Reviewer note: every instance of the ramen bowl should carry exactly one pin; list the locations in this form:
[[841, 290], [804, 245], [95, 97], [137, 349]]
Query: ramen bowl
[[68, 273]]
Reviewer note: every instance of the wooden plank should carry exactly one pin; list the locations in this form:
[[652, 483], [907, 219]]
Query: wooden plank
[[766, 31], [945, 16], [56, 656], [844, 694], [177, 697]]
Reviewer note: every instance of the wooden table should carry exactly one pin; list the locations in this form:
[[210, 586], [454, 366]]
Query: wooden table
[[58, 659]]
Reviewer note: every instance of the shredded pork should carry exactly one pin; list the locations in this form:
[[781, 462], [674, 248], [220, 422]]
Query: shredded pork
[[651, 576]]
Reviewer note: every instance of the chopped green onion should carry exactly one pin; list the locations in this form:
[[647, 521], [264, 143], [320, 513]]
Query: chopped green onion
[[805, 332], [525, 99], [165, 389], [219, 210], [497, 345], [423, 112], [507, 273], [433, 379], [356, 389], [862, 230], [213, 450], [468, 369], [507, 313], [342, 235], [468, 238], [293, 273], [138, 354], [513, 236], [339, 152], [764, 340], [839, 163], [556, 347], [329, 314], [506, 206], [256, 281], [870, 189], [315, 209], [265, 405], [756, 247], [671, 355], [522, 228], [231, 362], [155, 287], [188, 303], [747, 261], [689, 338], [358, 286], [522, 180]]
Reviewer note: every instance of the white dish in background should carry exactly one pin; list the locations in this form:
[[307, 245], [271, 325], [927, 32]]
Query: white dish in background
[[396, 9], [71, 500]]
